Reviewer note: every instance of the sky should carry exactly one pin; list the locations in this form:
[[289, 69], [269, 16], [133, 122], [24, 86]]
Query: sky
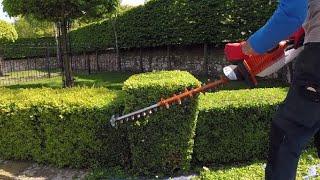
[[4, 16]]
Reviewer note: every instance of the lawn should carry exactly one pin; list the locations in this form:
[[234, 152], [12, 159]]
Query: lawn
[[255, 171], [114, 80], [110, 80], [248, 171], [16, 77]]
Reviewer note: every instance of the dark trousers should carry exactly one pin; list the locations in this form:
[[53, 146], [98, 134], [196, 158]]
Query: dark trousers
[[297, 119], [317, 142]]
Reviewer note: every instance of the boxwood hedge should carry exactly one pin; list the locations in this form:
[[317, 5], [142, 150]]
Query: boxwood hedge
[[161, 143], [68, 127], [233, 126]]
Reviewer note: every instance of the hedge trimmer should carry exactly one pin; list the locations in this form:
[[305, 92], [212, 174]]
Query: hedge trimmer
[[243, 68]]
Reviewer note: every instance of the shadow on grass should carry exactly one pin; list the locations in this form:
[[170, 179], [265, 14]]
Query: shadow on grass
[[237, 85], [110, 80]]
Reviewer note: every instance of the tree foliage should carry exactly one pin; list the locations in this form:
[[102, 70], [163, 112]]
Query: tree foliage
[[7, 32], [55, 10], [29, 27]]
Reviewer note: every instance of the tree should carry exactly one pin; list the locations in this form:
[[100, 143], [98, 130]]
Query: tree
[[29, 27], [7, 34], [61, 12]]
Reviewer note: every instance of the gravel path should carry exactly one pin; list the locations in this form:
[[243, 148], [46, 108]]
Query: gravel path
[[19, 170], [23, 170]]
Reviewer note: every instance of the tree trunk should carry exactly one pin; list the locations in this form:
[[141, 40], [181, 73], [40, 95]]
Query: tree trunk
[[67, 68], [58, 44]]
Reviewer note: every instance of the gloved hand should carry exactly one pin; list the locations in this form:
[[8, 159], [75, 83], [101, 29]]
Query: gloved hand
[[297, 38]]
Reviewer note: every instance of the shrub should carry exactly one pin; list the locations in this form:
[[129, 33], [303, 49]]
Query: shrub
[[68, 127], [29, 47], [7, 32], [172, 22], [162, 143], [233, 126]]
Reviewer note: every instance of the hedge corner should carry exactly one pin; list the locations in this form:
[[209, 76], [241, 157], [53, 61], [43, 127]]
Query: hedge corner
[[162, 143]]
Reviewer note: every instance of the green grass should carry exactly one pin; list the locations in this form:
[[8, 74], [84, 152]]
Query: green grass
[[110, 80], [235, 85], [254, 171], [29, 73], [26, 76], [249, 171], [114, 80]]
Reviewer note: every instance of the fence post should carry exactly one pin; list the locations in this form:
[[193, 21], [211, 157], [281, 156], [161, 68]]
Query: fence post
[[97, 59], [88, 63], [48, 61], [206, 58], [169, 57], [119, 60], [141, 59]]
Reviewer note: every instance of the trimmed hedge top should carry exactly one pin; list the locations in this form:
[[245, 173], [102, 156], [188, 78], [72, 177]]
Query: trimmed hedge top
[[242, 98], [75, 97], [168, 79]]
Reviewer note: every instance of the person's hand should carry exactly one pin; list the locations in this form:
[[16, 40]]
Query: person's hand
[[247, 49], [298, 38]]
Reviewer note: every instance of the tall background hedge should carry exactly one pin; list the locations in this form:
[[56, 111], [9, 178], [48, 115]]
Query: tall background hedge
[[175, 22], [172, 22]]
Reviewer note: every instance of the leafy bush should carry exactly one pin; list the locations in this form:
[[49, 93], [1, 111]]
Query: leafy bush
[[233, 126], [7, 32], [162, 143], [68, 127]]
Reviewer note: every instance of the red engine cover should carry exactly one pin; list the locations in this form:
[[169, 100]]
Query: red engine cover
[[233, 52]]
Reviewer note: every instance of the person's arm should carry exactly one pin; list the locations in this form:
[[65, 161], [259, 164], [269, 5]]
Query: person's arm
[[288, 18]]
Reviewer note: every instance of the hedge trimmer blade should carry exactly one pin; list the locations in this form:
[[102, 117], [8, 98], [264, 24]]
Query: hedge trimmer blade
[[134, 115], [167, 102]]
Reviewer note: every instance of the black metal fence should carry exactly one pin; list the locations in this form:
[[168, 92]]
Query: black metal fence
[[25, 63], [20, 68]]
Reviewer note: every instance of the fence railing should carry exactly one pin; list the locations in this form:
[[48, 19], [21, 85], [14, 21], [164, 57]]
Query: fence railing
[[26, 69], [26, 63]]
